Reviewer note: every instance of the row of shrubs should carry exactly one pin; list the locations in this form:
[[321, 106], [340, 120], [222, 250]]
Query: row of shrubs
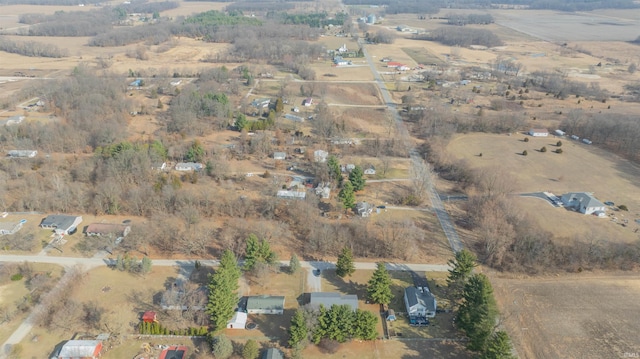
[[158, 329]]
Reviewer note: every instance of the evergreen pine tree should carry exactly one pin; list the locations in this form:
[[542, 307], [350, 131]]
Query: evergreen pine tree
[[346, 195], [334, 168], [379, 286], [298, 330], [294, 264], [222, 291], [478, 312], [498, 347], [356, 177], [345, 266], [461, 268]]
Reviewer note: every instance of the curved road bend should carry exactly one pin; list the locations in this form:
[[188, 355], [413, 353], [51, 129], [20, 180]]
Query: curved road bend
[[441, 213]]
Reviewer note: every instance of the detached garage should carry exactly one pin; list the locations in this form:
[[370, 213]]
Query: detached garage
[[81, 349], [265, 304], [538, 132]]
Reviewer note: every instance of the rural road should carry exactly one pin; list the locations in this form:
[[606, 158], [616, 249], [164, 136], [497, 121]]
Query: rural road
[[441, 213]]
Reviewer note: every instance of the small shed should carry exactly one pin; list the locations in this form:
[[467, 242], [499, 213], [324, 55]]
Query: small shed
[[150, 317], [391, 315], [238, 321]]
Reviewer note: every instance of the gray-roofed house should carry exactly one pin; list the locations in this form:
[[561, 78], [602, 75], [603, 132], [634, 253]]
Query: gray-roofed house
[[370, 170], [327, 299], [189, 166], [10, 227], [61, 223], [108, 229], [272, 353], [583, 202], [364, 209], [420, 302], [265, 304]]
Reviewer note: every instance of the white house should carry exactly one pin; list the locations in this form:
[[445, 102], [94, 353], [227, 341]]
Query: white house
[[364, 209], [343, 48], [370, 170], [279, 155], [320, 155], [420, 303], [583, 202], [323, 190], [307, 101], [538, 132], [239, 321], [189, 166]]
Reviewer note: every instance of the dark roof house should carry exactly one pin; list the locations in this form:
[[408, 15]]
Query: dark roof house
[[327, 299], [272, 353], [61, 223]]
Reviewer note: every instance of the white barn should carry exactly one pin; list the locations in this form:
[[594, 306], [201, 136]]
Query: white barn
[[538, 132]]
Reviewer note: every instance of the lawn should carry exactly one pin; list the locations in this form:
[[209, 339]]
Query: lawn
[[422, 56]]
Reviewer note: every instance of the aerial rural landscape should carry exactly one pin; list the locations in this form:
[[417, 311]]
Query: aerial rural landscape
[[319, 179]]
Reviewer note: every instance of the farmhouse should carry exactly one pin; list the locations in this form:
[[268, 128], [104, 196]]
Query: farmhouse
[[22, 153], [420, 303], [261, 102], [108, 229], [538, 132], [61, 224], [265, 304], [189, 166], [239, 321], [320, 155], [80, 349], [307, 101], [583, 202], [272, 353], [174, 352], [10, 227], [327, 299], [364, 209]]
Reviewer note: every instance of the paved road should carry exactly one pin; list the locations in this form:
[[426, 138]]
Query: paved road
[[443, 216]]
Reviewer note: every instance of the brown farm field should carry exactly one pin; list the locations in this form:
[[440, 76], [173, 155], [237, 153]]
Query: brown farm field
[[579, 168], [572, 316]]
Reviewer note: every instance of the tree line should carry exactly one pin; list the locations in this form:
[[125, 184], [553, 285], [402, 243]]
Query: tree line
[[461, 20], [32, 48], [456, 36]]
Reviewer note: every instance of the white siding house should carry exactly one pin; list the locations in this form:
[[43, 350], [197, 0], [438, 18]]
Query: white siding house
[[189, 166], [583, 202], [420, 303]]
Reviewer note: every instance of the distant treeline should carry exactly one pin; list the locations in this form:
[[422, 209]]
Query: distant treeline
[[574, 5], [87, 23], [32, 48], [260, 6], [403, 6], [49, 2], [457, 36], [318, 19], [458, 19]]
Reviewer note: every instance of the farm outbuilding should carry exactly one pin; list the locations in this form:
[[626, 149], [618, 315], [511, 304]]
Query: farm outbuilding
[[81, 349], [265, 304], [538, 132], [150, 317], [238, 321]]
